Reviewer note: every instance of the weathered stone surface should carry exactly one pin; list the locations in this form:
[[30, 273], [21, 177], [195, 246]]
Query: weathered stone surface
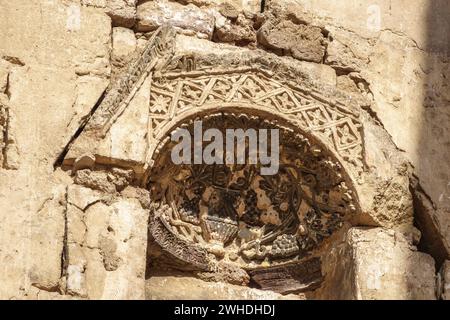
[[236, 29], [426, 111], [425, 21], [389, 59], [347, 52], [9, 151], [106, 251], [444, 281], [186, 288], [388, 267], [47, 243], [68, 41], [376, 264], [301, 41], [4, 72], [121, 12], [124, 45], [128, 134], [251, 6], [188, 19]]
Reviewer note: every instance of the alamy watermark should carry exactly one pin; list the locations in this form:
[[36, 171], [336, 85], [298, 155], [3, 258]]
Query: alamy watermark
[[237, 147]]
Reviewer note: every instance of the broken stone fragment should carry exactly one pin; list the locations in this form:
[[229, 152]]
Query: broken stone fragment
[[76, 280], [96, 180], [181, 287], [342, 57], [47, 243], [288, 10], [122, 12], [298, 40], [86, 161], [189, 20]]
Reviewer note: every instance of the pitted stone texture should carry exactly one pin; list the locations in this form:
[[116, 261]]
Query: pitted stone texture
[[376, 264], [4, 72], [237, 30], [106, 247], [424, 131], [444, 281], [124, 45], [47, 235], [122, 12], [424, 21], [301, 41], [188, 19], [388, 267], [347, 52], [250, 6], [187, 288], [9, 151]]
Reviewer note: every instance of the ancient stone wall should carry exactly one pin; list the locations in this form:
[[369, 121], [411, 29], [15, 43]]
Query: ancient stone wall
[[90, 89]]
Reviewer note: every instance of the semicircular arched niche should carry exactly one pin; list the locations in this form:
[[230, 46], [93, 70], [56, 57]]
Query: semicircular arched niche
[[204, 214], [205, 221]]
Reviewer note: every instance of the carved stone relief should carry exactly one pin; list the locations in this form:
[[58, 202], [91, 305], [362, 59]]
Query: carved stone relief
[[177, 95], [204, 214], [232, 213]]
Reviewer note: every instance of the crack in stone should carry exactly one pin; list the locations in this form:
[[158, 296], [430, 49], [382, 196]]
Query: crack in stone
[[62, 155]]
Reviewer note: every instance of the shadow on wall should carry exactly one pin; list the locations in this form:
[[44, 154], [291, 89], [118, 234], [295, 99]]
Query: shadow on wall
[[432, 197]]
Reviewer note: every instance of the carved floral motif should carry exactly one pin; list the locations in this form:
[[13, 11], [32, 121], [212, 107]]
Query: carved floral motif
[[188, 91], [236, 214]]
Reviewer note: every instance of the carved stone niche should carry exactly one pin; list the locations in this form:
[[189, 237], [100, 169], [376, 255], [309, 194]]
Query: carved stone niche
[[208, 215]]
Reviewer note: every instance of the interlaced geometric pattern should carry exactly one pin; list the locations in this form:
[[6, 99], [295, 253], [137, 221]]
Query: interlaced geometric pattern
[[338, 127]]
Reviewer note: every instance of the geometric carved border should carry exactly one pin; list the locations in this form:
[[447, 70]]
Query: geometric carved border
[[176, 94]]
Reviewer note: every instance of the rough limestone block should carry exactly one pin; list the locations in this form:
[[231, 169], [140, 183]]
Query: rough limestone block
[[107, 246], [47, 234], [3, 76], [346, 53], [189, 19], [128, 134], [186, 288], [124, 44], [387, 266], [368, 18], [301, 41], [238, 30], [122, 12]]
